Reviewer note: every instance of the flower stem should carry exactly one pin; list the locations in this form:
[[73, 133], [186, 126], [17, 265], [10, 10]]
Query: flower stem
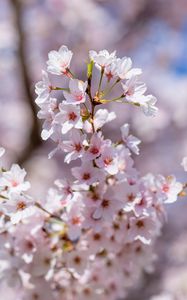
[[47, 212], [112, 86], [101, 78]]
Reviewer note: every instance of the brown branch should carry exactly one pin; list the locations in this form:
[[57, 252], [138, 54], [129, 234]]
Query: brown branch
[[34, 139]]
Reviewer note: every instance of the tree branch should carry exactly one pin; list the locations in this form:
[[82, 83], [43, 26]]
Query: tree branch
[[34, 139]]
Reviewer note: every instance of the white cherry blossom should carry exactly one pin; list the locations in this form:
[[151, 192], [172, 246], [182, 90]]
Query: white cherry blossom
[[130, 141], [14, 180], [59, 61], [77, 92], [2, 151], [48, 111], [147, 104], [133, 89], [103, 58], [19, 207], [102, 117], [95, 146], [125, 70], [184, 163], [170, 188], [108, 160], [43, 88], [74, 146], [86, 173], [68, 117]]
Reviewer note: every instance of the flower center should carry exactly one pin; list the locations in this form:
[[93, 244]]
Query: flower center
[[96, 236], [105, 203], [72, 116], [165, 188], [75, 220], [107, 161], [86, 176], [21, 205], [94, 150], [130, 197], [79, 97], [14, 183], [77, 260], [140, 224], [109, 76], [78, 147]]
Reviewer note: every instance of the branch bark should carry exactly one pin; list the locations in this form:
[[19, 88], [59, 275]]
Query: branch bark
[[34, 139]]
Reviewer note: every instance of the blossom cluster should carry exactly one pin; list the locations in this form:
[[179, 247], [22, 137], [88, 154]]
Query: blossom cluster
[[94, 234]]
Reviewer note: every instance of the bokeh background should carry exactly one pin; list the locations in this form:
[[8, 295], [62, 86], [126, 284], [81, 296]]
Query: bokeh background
[[154, 34]]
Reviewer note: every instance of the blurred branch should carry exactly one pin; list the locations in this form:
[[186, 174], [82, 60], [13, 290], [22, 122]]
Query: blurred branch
[[146, 13], [34, 139]]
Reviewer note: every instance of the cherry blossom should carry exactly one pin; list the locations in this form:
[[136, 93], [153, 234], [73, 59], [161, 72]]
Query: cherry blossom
[[93, 234], [102, 117], [108, 206], [2, 151], [148, 105], [77, 92], [74, 147], [133, 89], [19, 207], [103, 58], [184, 163], [108, 160], [111, 70], [125, 70], [130, 141], [59, 61], [65, 188], [43, 88], [48, 111], [86, 173], [13, 180], [95, 148], [68, 117], [142, 229], [170, 187]]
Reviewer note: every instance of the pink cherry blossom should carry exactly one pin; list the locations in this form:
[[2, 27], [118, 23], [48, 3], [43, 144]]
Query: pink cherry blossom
[[14, 180], [74, 146], [19, 208], [169, 187], [95, 146], [142, 229], [77, 92], [92, 235], [108, 160], [86, 173], [68, 117], [108, 206]]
